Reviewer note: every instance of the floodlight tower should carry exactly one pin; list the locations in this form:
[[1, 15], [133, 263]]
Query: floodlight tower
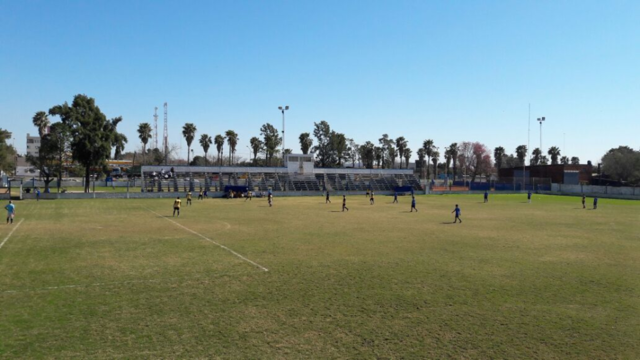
[[541, 120], [283, 109], [165, 140], [155, 126]]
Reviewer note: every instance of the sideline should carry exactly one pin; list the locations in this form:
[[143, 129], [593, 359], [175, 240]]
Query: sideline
[[220, 245], [8, 236]]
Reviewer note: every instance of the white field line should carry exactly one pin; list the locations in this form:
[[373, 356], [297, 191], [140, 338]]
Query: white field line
[[10, 233], [50, 288], [220, 245]]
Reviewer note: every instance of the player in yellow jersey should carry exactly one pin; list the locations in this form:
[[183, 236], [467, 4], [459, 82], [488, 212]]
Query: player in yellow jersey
[[189, 198], [176, 206]]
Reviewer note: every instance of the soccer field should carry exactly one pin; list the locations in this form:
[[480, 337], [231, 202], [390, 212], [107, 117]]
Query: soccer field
[[122, 278]]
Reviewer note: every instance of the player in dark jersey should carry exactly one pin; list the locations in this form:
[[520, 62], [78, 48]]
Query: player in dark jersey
[[486, 196], [344, 203], [328, 200], [529, 196], [413, 204], [457, 211], [371, 200], [270, 199], [595, 202], [584, 201], [395, 197]]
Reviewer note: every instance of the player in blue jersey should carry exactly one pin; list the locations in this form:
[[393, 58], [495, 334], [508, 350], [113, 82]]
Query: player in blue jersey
[[529, 196], [595, 202], [11, 211], [395, 198], [344, 203], [486, 196], [457, 211], [328, 200], [413, 204]]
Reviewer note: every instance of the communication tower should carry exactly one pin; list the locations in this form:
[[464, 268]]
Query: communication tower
[[165, 139], [155, 126]]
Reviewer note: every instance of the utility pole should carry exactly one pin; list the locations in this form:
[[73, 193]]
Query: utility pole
[[155, 126], [541, 120], [165, 141], [283, 109]]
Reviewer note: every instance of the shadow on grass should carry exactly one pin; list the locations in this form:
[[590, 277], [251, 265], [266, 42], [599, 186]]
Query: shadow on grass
[[448, 223]]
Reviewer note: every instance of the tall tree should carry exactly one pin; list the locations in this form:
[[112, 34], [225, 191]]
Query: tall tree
[[475, 158], [91, 132], [564, 160], [119, 140], [272, 141], [537, 156], [205, 142], [41, 122], [387, 145], [422, 162], [401, 144], [353, 152], [392, 154], [189, 132], [306, 142], [544, 160], [554, 153], [367, 154], [59, 145], [622, 164], [339, 145], [232, 140], [256, 147], [407, 156], [219, 142], [144, 134], [521, 154], [323, 148], [448, 156], [435, 156], [7, 152], [575, 160], [427, 145], [453, 150], [377, 151], [498, 155]]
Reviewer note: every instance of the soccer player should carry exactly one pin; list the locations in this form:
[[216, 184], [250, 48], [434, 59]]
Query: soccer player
[[413, 204], [457, 211], [189, 198], [328, 200], [11, 211], [486, 196], [395, 197], [176, 206], [206, 195], [270, 200], [368, 192], [37, 194], [529, 196], [249, 195], [595, 202], [344, 203], [584, 201], [371, 200], [201, 195]]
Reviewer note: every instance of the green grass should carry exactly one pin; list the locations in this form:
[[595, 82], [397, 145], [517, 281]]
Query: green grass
[[515, 280]]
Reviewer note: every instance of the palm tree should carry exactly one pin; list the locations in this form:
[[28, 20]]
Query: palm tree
[[435, 156], [205, 142], [564, 160], [447, 159], [537, 156], [305, 142], [401, 144], [575, 160], [453, 149], [391, 150], [421, 161], [41, 121], [554, 153], [232, 140], [118, 140], [378, 151], [189, 133], [544, 160], [256, 146], [219, 142], [144, 134], [427, 145], [407, 156], [521, 153], [498, 154]]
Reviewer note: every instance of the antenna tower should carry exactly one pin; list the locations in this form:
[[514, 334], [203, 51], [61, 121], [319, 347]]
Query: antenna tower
[[165, 139], [155, 126]]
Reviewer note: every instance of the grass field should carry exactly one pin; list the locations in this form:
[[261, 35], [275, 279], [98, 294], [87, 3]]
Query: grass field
[[120, 278]]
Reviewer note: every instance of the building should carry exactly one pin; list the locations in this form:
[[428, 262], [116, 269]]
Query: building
[[559, 174], [33, 145]]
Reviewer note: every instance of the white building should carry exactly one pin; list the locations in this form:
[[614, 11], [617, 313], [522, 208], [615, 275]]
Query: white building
[[33, 145]]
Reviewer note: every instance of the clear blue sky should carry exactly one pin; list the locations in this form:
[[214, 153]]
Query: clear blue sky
[[451, 71]]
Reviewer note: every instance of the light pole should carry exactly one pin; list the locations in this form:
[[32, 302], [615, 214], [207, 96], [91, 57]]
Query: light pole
[[283, 109], [541, 120]]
